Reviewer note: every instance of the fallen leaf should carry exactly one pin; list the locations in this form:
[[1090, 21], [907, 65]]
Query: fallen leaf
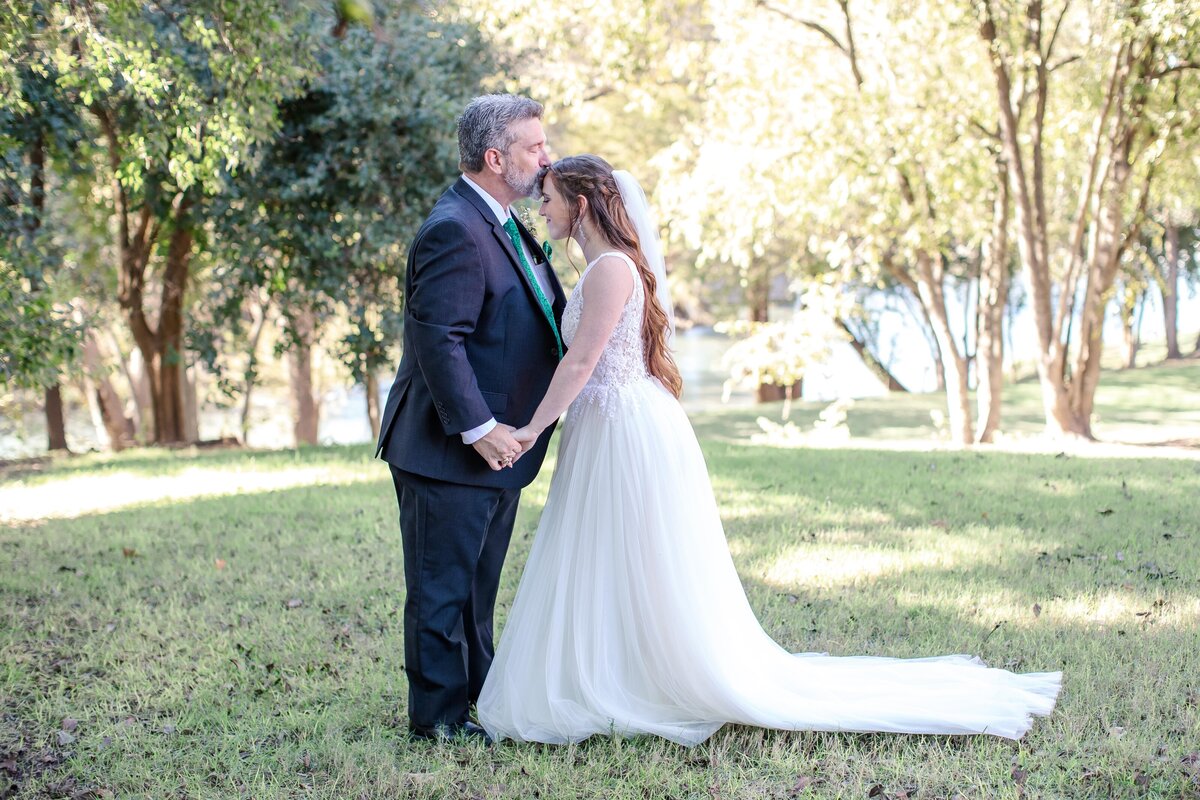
[[1141, 780], [70, 724], [168, 729], [65, 738], [1019, 775], [803, 782], [130, 552], [295, 602], [1037, 609], [1116, 731], [219, 563], [1190, 759], [875, 791], [1104, 512], [940, 523]]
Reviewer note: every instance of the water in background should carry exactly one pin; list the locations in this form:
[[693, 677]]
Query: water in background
[[698, 352]]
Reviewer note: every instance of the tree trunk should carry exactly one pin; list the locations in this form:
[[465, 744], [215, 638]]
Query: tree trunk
[[251, 377], [758, 297], [305, 407], [170, 411], [1107, 243], [117, 426], [1027, 182], [137, 231], [922, 315], [372, 389], [993, 300], [56, 432], [933, 300], [133, 366], [1131, 324], [191, 410], [874, 364], [1170, 291], [56, 427]]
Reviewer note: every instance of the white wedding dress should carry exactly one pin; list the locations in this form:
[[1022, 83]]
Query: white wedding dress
[[630, 617]]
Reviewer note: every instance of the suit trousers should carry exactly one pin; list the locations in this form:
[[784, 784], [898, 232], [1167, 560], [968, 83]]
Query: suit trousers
[[455, 538]]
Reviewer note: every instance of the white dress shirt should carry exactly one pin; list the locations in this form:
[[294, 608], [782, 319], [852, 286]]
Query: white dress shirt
[[540, 271]]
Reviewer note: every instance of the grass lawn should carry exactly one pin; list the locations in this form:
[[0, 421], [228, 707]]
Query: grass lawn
[[227, 624]]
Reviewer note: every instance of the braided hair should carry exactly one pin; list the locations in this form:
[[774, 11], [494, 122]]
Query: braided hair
[[592, 177]]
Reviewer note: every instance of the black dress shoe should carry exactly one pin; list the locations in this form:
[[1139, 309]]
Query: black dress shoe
[[465, 732]]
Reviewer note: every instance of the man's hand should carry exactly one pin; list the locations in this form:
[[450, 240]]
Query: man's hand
[[498, 447]]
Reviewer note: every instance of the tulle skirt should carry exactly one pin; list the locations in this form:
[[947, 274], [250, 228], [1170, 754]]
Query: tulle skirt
[[630, 617]]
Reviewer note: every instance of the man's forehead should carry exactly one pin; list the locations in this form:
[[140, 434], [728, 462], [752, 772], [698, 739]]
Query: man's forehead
[[530, 131]]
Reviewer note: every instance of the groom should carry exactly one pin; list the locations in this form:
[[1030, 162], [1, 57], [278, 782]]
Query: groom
[[481, 342]]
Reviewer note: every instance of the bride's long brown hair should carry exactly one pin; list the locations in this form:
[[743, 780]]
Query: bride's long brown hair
[[592, 177]]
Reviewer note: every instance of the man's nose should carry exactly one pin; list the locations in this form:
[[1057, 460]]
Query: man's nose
[[544, 159]]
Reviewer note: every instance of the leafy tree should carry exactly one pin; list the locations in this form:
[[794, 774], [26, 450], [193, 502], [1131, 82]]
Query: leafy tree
[[38, 130], [177, 93], [846, 141], [1120, 74], [323, 220]]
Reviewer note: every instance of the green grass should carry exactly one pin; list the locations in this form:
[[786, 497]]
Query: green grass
[[227, 624]]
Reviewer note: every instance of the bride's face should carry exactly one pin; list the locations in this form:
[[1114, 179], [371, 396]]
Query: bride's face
[[555, 210]]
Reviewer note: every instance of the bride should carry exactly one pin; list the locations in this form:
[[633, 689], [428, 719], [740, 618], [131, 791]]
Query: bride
[[630, 617]]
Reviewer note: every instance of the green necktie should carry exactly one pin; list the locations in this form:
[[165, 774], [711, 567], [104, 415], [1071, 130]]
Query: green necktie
[[510, 227]]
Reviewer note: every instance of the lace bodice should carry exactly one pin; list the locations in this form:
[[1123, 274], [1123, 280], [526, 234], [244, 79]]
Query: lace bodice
[[623, 361]]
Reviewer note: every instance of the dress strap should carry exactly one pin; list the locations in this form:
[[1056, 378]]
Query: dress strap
[[623, 256]]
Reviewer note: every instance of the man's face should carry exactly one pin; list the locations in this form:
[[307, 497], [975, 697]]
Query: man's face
[[525, 157]]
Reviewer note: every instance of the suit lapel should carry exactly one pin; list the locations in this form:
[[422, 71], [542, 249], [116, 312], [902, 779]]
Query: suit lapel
[[559, 298], [464, 190]]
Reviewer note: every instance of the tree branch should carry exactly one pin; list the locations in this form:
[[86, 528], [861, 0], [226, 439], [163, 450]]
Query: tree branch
[[1180, 67], [850, 51], [1063, 63], [1054, 36], [808, 23]]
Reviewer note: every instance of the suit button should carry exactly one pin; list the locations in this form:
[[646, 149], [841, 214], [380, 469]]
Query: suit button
[[554, 352]]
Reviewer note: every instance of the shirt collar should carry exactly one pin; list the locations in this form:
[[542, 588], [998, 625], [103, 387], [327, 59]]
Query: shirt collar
[[500, 211]]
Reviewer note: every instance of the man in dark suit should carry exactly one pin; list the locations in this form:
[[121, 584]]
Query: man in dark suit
[[481, 342]]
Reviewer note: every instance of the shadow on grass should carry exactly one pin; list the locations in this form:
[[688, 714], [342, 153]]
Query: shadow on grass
[[162, 461], [246, 630]]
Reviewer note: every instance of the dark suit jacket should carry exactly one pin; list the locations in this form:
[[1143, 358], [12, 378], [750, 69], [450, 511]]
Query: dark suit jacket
[[476, 345]]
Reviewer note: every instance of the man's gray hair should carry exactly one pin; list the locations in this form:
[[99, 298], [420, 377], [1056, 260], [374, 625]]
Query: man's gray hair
[[487, 122]]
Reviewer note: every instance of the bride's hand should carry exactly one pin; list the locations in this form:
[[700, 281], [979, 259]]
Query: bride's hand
[[526, 436]]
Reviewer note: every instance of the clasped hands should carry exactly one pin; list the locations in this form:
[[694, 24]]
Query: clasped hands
[[504, 445]]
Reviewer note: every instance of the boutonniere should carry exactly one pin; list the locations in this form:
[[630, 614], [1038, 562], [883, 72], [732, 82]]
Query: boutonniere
[[547, 249], [526, 217]]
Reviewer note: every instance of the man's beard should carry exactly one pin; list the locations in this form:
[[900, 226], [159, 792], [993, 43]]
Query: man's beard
[[524, 185]]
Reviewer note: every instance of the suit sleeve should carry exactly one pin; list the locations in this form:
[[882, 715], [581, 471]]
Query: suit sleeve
[[444, 302]]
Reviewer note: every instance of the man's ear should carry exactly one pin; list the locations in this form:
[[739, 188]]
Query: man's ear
[[491, 160]]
